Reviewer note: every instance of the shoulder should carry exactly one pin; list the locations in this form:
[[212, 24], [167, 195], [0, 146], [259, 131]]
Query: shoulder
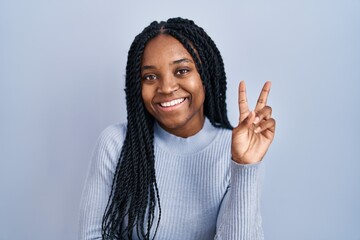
[[225, 132], [107, 150], [221, 146], [110, 141], [114, 133], [224, 135]]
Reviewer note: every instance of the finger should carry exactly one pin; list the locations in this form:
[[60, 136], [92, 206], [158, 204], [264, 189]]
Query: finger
[[263, 96], [266, 127], [269, 133], [248, 122], [242, 100], [264, 113]]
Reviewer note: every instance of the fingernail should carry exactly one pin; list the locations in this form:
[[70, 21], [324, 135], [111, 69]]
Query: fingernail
[[257, 120], [257, 130]]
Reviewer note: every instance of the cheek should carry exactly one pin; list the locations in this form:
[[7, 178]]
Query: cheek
[[146, 96], [199, 90], [202, 95]]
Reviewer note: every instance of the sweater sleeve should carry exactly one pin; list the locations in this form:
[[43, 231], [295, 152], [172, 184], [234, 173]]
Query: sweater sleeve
[[99, 181], [239, 215]]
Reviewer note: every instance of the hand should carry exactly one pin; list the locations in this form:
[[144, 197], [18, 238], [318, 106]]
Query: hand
[[252, 137]]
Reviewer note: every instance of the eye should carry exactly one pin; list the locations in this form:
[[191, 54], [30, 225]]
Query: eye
[[149, 77], [182, 71]]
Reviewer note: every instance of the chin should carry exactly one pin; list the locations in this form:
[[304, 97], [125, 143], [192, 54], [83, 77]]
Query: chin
[[169, 124]]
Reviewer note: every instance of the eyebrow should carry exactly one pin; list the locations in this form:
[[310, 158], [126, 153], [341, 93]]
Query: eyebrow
[[174, 62], [182, 60]]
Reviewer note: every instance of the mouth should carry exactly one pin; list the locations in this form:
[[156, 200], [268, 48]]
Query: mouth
[[172, 103]]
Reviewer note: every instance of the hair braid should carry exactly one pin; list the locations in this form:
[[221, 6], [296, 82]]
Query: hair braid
[[134, 192]]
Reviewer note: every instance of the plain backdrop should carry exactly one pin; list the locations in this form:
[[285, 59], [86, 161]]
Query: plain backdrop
[[62, 67]]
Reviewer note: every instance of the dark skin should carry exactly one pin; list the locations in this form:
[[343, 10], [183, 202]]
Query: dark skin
[[256, 129], [172, 89], [173, 94]]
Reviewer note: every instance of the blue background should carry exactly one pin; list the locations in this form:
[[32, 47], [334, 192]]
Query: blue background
[[62, 67]]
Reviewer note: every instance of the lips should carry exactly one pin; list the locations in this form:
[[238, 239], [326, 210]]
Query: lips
[[172, 103]]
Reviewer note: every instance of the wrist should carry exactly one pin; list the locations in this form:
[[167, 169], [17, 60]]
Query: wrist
[[244, 161]]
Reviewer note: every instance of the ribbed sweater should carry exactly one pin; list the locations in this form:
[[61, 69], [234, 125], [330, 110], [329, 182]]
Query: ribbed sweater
[[203, 193]]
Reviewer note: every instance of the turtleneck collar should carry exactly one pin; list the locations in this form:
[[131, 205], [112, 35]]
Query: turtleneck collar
[[184, 146]]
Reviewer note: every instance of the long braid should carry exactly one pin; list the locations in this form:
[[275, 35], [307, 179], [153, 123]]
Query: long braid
[[134, 192]]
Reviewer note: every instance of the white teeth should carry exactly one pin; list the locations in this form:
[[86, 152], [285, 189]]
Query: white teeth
[[172, 103]]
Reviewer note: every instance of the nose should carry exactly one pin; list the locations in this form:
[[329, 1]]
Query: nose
[[168, 84]]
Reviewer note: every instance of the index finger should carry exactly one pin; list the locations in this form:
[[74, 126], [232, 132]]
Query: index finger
[[242, 100], [263, 96]]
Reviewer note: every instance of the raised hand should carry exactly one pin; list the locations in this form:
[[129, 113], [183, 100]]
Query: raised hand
[[253, 135]]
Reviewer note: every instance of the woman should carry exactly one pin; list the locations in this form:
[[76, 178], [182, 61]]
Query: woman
[[177, 169]]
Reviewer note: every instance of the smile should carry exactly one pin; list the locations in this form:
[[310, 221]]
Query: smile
[[172, 102]]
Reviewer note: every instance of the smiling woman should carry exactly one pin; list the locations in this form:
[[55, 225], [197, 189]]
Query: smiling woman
[[177, 169], [172, 89]]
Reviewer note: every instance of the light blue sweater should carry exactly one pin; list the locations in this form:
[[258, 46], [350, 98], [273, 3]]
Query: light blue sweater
[[203, 193]]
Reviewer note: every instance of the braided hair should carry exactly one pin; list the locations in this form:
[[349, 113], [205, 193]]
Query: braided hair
[[134, 193]]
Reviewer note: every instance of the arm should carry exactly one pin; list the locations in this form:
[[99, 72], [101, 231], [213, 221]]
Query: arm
[[98, 182], [239, 216]]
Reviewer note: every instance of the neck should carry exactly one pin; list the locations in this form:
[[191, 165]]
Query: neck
[[187, 130]]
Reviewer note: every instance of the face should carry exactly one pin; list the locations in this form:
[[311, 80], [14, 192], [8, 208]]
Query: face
[[172, 89]]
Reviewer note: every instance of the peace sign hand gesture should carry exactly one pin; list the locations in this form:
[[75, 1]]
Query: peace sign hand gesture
[[255, 132]]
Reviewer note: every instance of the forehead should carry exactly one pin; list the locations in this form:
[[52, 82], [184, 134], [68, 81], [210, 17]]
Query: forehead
[[163, 48]]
